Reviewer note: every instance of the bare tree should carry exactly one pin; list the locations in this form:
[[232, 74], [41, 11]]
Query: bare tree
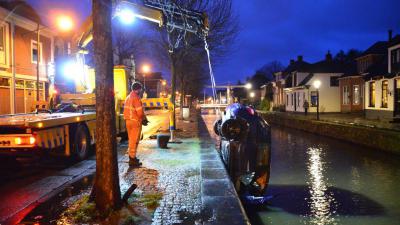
[[127, 42], [223, 26], [106, 191]]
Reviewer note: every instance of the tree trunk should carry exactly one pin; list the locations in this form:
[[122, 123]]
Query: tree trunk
[[106, 191]]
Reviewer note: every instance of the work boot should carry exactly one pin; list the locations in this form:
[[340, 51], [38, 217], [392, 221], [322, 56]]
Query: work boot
[[134, 162]]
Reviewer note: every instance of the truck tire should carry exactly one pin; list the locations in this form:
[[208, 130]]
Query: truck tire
[[81, 143]]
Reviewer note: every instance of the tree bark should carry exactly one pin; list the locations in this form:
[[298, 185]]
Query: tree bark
[[106, 191]]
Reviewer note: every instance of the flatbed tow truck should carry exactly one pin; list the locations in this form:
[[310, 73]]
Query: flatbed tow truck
[[72, 133]]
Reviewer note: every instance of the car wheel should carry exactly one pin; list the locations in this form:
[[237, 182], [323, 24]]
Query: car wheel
[[81, 143]]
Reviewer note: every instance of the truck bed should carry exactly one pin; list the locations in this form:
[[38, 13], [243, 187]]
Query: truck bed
[[44, 120]]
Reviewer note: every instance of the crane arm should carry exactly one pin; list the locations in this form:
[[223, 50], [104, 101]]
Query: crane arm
[[194, 22]]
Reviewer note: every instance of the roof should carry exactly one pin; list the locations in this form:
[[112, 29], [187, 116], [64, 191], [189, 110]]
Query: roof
[[394, 41], [378, 69], [21, 8], [378, 48], [329, 66], [296, 66], [351, 70]]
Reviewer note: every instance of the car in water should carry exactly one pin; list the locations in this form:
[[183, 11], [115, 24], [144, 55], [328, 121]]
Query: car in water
[[245, 149]]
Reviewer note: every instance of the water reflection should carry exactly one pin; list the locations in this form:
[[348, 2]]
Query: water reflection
[[320, 201]]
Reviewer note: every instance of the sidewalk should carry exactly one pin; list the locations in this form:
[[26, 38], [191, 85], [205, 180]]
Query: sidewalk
[[196, 188], [355, 119]]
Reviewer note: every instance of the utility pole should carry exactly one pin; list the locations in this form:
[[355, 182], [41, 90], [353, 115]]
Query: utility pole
[[37, 62]]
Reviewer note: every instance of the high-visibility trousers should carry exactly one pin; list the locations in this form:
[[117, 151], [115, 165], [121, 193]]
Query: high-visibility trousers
[[134, 129]]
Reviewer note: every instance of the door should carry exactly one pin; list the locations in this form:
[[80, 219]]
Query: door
[[397, 98], [295, 102]]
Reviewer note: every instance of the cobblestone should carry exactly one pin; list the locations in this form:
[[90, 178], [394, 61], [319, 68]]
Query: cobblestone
[[175, 172]]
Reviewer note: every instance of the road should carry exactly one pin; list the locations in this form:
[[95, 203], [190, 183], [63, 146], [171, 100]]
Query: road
[[25, 182]]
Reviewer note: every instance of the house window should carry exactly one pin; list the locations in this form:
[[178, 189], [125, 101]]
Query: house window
[[3, 45], [384, 94], [287, 99], [346, 94], [334, 81], [298, 99], [295, 80], [372, 94], [4, 82], [356, 94], [292, 99], [34, 52], [314, 99]]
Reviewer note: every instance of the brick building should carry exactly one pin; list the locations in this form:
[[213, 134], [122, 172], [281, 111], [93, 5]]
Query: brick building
[[19, 55], [372, 62]]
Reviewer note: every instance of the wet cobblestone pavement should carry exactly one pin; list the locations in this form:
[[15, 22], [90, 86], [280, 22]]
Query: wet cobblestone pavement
[[174, 171], [195, 186]]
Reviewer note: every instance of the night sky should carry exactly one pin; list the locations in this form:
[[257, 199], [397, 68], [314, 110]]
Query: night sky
[[282, 29]]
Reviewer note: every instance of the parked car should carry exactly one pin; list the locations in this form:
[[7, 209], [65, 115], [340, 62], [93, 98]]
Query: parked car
[[245, 148]]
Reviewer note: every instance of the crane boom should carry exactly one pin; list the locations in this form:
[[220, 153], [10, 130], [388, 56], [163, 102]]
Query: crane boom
[[193, 22]]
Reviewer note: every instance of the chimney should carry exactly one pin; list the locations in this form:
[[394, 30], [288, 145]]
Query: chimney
[[328, 56], [291, 61], [390, 33], [300, 58]]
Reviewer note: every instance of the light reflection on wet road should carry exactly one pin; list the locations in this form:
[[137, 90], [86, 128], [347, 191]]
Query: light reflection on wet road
[[318, 180]]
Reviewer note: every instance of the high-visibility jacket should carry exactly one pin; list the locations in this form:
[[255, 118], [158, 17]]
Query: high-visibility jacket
[[133, 109]]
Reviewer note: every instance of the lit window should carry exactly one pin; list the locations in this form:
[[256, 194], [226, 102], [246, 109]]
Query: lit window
[[384, 94], [372, 94], [356, 94], [345, 95]]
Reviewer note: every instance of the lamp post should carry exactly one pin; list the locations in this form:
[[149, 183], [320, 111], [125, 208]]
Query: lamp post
[[145, 69], [317, 84]]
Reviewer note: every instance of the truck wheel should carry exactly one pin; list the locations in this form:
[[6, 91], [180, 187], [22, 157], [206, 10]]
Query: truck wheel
[[81, 144]]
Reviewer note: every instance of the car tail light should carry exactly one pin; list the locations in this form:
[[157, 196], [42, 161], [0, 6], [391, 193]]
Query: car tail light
[[24, 140], [32, 140], [18, 140]]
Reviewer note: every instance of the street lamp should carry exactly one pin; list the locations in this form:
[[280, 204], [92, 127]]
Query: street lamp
[[252, 94], [248, 86], [316, 85], [145, 69], [64, 23]]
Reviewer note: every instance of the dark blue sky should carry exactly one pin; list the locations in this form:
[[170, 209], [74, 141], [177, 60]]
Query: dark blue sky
[[282, 29]]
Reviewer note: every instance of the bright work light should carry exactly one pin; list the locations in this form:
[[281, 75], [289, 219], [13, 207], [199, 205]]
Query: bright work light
[[126, 16], [70, 70]]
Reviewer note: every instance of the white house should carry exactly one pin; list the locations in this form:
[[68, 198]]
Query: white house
[[283, 79], [327, 73], [382, 93]]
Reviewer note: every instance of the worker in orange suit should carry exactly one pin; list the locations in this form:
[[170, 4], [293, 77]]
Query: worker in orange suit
[[134, 117]]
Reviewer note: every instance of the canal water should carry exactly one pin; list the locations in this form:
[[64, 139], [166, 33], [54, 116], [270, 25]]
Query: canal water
[[319, 180]]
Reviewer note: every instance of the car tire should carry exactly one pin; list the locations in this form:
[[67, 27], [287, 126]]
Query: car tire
[[81, 143]]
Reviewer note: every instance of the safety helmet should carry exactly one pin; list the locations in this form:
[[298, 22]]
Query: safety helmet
[[136, 86]]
